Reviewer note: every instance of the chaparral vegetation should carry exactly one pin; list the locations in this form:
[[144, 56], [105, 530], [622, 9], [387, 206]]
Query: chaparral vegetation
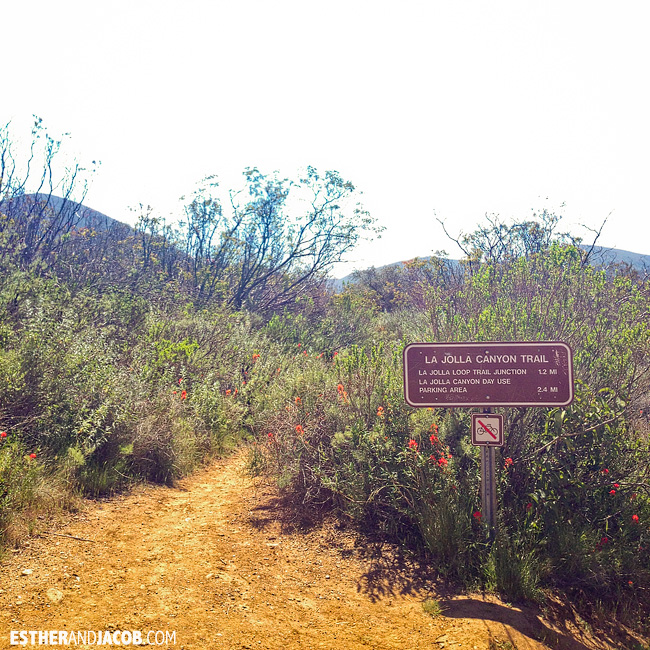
[[136, 354]]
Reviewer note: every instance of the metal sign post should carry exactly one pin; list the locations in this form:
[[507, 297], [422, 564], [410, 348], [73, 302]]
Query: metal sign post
[[488, 489]]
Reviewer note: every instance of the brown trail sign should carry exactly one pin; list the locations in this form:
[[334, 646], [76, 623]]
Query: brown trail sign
[[488, 374]]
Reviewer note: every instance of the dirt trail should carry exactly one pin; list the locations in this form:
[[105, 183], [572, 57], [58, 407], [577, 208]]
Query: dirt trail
[[212, 560]]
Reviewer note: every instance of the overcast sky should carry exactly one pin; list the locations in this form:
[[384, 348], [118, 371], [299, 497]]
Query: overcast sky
[[432, 109]]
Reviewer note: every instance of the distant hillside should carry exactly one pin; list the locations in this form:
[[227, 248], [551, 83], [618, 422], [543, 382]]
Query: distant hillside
[[600, 256], [47, 227], [65, 211], [607, 256], [337, 284]]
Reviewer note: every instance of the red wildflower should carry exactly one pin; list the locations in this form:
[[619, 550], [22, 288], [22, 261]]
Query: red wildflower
[[434, 438], [256, 357], [174, 392], [477, 515], [612, 491], [300, 430], [299, 344], [3, 434], [616, 485], [635, 518], [298, 401], [605, 470], [442, 462], [508, 462], [32, 456], [180, 379], [413, 445], [529, 506], [184, 394], [228, 391], [270, 435], [604, 540], [629, 582], [339, 388]]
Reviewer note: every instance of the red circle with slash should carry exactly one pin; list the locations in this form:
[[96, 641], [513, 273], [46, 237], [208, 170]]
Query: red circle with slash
[[487, 429]]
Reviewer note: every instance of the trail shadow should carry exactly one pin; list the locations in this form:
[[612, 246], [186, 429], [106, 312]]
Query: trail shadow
[[393, 571], [288, 513], [525, 620]]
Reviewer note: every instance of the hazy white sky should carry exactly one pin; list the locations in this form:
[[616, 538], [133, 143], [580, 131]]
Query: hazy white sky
[[451, 109]]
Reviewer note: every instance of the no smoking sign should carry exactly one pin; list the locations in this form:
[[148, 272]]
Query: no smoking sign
[[487, 429]]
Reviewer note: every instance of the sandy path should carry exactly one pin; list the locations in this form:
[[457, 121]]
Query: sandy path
[[212, 561]]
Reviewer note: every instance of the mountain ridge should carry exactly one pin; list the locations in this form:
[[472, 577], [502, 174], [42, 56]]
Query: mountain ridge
[[66, 209], [600, 256], [81, 216]]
